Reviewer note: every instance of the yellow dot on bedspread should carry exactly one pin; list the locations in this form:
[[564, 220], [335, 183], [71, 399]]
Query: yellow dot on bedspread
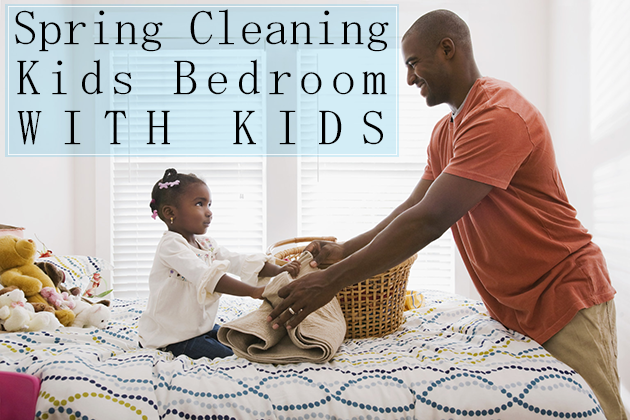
[[101, 395], [77, 396], [64, 402], [45, 416], [107, 397]]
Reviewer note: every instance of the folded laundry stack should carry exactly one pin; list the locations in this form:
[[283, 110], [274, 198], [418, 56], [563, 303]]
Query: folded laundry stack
[[316, 339]]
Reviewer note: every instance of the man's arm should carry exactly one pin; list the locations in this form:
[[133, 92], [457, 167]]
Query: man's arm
[[448, 199]]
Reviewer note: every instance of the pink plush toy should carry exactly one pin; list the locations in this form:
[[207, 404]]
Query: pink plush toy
[[56, 299]]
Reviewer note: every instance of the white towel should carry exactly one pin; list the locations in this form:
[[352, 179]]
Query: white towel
[[316, 339]]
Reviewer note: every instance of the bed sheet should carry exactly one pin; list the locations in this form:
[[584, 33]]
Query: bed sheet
[[448, 360]]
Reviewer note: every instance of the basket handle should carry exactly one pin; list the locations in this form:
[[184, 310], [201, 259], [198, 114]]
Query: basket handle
[[298, 240]]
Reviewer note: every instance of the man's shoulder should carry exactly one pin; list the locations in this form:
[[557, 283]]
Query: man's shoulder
[[495, 92], [493, 84], [494, 97]]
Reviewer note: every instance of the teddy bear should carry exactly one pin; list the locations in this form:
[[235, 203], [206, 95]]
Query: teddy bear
[[17, 268], [13, 315], [18, 315], [88, 315]]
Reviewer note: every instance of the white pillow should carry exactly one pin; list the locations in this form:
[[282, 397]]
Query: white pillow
[[80, 271]]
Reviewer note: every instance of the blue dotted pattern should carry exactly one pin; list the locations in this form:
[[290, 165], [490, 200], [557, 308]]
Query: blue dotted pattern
[[448, 360]]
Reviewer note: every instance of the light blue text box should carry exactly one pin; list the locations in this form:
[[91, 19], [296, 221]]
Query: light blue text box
[[217, 80]]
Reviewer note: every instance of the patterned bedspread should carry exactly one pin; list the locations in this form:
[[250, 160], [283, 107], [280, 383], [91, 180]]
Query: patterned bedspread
[[448, 360]]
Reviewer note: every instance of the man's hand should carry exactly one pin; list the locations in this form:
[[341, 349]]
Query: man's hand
[[301, 297], [293, 268], [325, 253]]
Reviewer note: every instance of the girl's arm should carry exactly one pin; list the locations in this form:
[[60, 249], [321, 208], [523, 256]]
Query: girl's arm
[[230, 286], [271, 270]]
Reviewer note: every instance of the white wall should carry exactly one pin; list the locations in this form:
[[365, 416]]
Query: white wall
[[37, 193], [569, 96]]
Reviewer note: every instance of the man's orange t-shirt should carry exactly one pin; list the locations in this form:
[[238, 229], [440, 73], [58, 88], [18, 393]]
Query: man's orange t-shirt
[[531, 260]]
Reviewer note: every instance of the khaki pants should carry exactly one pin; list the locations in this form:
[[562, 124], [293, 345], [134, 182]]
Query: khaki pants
[[588, 344]]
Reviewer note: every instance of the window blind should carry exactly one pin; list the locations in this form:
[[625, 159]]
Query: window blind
[[344, 197], [236, 184]]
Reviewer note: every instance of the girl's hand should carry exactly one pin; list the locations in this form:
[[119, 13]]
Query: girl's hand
[[258, 292], [293, 268]]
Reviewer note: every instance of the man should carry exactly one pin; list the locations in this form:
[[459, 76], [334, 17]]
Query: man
[[492, 178]]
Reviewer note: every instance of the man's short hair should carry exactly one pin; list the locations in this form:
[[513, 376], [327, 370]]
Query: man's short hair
[[433, 27]]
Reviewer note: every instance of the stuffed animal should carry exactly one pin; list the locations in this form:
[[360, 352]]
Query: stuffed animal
[[18, 315], [13, 314], [57, 276], [16, 265], [71, 296], [17, 269], [88, 315], [43, 321], [58, 300]]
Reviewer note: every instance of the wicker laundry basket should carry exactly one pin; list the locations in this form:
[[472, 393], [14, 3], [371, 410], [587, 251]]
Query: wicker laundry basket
[[373, 307]]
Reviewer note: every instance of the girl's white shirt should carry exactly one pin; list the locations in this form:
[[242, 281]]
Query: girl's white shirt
[[182, 302]]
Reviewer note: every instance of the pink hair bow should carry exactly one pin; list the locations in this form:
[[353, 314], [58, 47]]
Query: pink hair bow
[[164, 185]]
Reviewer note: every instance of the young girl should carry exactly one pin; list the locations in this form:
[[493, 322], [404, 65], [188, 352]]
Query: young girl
[[190, 272]]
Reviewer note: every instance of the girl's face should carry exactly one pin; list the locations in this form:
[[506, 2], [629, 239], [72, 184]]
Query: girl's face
[[192, 215]]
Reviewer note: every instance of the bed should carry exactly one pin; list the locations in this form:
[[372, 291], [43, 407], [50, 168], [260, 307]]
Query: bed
[[448, 360]]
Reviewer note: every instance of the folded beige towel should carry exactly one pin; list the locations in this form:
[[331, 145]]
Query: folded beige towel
[[316, 339]]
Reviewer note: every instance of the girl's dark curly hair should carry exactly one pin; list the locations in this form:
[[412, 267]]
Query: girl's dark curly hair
[[168, 190]]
